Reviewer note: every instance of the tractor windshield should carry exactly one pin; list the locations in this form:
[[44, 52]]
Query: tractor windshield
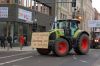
[[59, 25], [97, 34]]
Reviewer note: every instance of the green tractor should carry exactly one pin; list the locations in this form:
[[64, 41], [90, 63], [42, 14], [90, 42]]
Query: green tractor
[[64, 36]]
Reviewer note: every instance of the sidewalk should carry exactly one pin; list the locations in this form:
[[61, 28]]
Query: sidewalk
[[25, 48]]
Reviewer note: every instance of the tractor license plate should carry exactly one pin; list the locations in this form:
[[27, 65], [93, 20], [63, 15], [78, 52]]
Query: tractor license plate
[[40, 40]]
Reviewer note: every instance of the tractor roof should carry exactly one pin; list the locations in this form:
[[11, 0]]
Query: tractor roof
[[74, 20], [69, 20]]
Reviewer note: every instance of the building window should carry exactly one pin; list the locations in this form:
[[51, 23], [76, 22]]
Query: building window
[[63, 16], [8, 1], [16, 1], [41, 8]]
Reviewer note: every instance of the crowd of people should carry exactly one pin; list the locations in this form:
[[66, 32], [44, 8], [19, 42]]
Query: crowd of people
[[7, 40], [4, 40]]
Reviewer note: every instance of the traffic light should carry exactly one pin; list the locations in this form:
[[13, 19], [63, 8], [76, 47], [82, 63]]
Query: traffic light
[[73, 3]]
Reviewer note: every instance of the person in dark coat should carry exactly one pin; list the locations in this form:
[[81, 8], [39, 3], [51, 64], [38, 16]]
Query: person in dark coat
[[2, 38], [9, 39]]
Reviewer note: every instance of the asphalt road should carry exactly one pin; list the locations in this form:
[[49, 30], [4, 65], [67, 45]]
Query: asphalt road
[[32, 58]]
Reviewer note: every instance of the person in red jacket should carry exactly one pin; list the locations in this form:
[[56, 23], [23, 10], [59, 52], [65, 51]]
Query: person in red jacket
[[21, 41]]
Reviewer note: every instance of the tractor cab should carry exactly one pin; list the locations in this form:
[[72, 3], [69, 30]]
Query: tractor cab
[[69, 26]]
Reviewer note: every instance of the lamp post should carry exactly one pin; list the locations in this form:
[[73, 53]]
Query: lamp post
[[81, 24], [35, 19]]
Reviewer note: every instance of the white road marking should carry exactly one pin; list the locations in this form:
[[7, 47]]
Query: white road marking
[[15, 60], [74, 57], [15, 55], [83, 61]]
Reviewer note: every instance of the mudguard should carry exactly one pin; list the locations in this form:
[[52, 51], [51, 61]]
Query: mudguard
[[78, 33]]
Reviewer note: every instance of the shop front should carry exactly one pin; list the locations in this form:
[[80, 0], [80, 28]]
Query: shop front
[[16, 20]]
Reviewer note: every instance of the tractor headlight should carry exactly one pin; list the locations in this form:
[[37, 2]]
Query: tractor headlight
[[96, 40]]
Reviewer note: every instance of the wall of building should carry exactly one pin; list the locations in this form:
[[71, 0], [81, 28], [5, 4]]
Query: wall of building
[[97, 15], [86, 12], [63, 9]]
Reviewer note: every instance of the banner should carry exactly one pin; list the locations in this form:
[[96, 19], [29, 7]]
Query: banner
[[94, 23], [40, 40], [25, 15], [3, 12]]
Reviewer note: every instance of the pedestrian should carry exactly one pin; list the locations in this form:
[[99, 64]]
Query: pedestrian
[[2, 38], [21, 41], [9, 39], [25, 40]]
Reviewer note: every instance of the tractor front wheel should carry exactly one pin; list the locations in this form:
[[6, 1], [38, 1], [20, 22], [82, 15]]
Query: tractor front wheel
[[43, 51], [61, 47], [82, 46]]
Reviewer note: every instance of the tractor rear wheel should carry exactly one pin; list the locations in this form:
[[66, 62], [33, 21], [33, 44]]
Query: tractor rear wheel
[[82, 46], [61, 47], [43, 51]]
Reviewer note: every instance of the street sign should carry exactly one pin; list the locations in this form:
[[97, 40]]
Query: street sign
[[94, 23]]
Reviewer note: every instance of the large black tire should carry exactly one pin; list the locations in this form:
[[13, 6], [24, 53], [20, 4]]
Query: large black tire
[[82, 46], [42, 51], [61, 47], [70, 46]]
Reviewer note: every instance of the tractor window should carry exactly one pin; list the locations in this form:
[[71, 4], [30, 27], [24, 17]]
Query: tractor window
[[55, 25], [62, 25], [74, 24], [73, 27], [59, 25]]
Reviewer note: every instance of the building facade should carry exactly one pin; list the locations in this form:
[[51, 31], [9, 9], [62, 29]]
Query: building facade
[[97, 15], [88, 14], [18, 17], [63, 9], [86, 11]]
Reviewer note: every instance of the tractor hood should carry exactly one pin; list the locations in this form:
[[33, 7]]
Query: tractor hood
[[58, 32]]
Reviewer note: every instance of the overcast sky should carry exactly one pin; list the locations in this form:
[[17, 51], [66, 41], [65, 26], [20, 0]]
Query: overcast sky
[[96, 4]]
